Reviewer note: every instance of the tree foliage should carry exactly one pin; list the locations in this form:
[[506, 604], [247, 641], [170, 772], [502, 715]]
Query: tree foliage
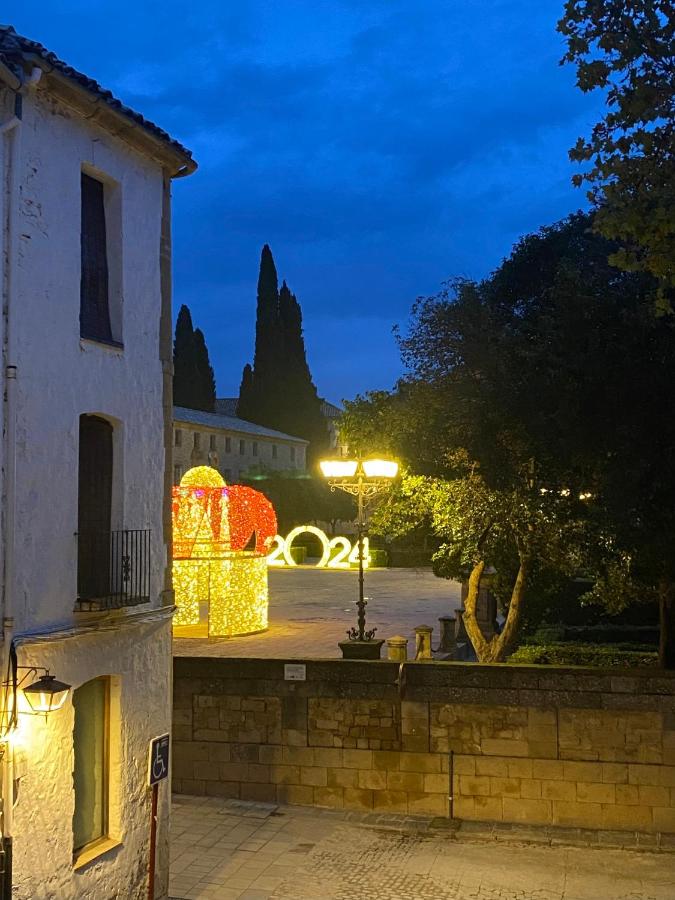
[[628, 50], [552, 378], [277, 391], [194, 384]]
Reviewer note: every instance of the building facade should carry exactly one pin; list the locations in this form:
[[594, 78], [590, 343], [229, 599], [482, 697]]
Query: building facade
[[231, 445], [86, 477]]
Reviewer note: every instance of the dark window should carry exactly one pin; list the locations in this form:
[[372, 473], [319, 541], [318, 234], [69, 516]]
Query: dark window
[[178, 439], [90, 771], [94, 507], [292, 454], [274, 451], [227, 474], [212, 442], [196, 440], [177, 474], [228, 445], [255, 448], [242, 447], [94, 308]]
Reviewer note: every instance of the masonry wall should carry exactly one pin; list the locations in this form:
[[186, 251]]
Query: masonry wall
[[529, 744]]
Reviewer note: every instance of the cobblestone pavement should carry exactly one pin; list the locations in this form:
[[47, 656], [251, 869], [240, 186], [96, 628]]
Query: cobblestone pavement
[[311, 609], [232, 850]]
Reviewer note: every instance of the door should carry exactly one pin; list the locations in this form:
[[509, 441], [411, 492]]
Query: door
[[94, 508]]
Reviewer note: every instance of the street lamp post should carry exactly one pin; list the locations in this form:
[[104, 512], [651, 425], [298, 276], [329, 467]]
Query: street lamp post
[[363, 479]]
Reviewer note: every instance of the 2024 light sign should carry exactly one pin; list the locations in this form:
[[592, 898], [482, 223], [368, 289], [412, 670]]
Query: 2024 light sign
[[336, 553]]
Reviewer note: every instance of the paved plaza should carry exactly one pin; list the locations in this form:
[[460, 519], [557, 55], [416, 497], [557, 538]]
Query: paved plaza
[[232, 850], [311, 609]]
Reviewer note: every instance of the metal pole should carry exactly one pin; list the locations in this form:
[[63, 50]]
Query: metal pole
[[153, 842], [362, 602]]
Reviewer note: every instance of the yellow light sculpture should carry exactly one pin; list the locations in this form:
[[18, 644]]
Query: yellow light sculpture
[[206, 568]]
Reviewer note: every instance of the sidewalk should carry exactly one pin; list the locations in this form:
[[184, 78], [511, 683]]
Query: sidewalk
[[234, 850]]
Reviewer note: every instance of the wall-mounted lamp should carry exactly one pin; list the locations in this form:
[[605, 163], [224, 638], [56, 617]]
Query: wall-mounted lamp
[[46, 694]]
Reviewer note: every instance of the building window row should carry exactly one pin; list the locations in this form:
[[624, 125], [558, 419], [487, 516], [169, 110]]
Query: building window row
[[255, 449]]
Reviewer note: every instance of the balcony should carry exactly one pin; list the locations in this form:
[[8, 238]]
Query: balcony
[[113, 569]]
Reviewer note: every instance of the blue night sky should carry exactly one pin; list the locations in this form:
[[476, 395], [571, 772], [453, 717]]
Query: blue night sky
[[379, 146]]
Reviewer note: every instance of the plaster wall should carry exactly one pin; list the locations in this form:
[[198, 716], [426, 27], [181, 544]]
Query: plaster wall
[[59, 377]]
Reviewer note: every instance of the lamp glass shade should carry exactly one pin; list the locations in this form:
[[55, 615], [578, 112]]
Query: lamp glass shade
[[338, 468], [46, 694], [380, 468]]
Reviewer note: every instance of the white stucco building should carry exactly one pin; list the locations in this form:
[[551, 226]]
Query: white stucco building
[[231, 445], [86, 476]]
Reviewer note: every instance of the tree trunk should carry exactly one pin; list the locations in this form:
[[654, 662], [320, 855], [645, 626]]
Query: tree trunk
[[667, 624], [499, 647]]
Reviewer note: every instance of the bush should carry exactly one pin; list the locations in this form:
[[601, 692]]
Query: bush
[[571, 654], [602, 633], [299, 554], [409, 559], [378, 558]]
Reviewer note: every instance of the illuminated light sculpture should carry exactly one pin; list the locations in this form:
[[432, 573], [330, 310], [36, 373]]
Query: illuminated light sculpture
[[346, 555], [212, 526]]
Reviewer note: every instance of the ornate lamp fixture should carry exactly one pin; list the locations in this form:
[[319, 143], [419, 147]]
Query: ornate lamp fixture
[[46, 694], [363, 479]]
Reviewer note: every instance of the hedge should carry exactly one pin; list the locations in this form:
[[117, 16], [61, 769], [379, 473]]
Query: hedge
[[570, 654]]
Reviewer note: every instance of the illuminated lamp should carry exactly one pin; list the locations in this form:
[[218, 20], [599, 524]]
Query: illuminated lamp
[[46, 694], [338, 468], [380, 468]]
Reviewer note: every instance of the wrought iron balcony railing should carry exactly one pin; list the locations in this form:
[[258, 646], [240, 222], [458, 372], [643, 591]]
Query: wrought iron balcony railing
[[113, 569]]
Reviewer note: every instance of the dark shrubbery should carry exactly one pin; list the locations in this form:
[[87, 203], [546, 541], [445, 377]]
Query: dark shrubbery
[[578, 654]]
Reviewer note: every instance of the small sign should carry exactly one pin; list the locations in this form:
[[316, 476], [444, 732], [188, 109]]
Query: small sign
[[295, 672], [159, 759]]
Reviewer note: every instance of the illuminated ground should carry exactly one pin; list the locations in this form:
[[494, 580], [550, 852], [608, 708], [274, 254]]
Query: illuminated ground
[[310, 610]]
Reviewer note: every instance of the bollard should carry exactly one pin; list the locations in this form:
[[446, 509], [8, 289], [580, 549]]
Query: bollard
[[397, 648], [447, 642], [423, 642]]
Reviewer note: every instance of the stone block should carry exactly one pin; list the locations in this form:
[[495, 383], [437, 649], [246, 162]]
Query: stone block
[[589, 792], [533, 812], [505, 787], [664, 819], [355, 798], [650, 795], [627, 794], [627, 818], [489, 765], [405, 781], [427, 804], [194, 787], [328, 757], [258, 774], [411, 709], [472, 785], [313, 775], [488, 809], [420, 762], [615, 773], [230, 771], [582, 771], [530, 788], [558, 790], [260, 793], [436, 784], [229, 789], [297, 756], [329, 796], [281, 774], [357, 759], [387, 760], [293, 738], [343, 778], [415, 743], [390, 801], [543, 749], [667, 776], [464, 808], [295, 794], [464, 765], [504, 747], [638, 774], [370, 779], [541, 717], [583, 815], [270, 755], [517, 768]]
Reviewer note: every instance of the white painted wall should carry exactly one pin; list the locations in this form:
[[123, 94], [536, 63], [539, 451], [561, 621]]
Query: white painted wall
[[60, 377]]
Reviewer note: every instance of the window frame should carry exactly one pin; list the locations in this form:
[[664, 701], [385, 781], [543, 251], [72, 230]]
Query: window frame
[[242, 448], [178, 438], [84, 852]]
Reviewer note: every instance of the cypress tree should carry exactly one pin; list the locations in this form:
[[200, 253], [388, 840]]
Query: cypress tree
[[278, 391], [194, 385]]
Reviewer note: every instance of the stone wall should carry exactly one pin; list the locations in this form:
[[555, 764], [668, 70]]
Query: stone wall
[[531, 744]]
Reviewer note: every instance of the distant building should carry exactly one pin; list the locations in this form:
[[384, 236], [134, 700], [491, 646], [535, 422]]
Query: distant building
[[231, 445], [86, 504], [227, 406]]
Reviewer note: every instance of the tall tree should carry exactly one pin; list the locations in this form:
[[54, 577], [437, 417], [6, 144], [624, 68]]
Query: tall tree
[[277, 391], [194, 384], [628, 50]]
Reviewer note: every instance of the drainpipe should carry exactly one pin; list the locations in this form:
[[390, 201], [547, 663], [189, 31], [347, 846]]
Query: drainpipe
[[10, 131], [166, 359]]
